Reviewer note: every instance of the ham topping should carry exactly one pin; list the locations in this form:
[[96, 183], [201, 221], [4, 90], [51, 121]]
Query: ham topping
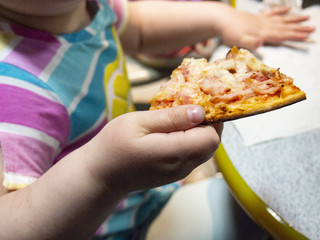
[[228, 80]]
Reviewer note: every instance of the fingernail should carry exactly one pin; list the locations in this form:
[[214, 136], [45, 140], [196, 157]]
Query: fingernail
[[196, 114]]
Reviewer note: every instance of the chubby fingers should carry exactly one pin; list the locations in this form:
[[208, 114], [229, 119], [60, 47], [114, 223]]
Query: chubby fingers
[[174, 119], [180, 118], [284, 11], [288, 24], [218, 127], [176, 133], [293, 32], [293, 18], [162, 145], [279, 10], [180, 152]]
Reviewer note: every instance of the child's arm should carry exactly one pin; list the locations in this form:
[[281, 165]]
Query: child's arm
[[163, 25], [134, 151]]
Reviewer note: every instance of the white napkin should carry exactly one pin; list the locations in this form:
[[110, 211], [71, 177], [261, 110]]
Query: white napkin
[[304, 67], [295, 5]]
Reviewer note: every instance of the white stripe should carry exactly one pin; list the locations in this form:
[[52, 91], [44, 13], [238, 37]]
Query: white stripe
[[30, 132], [91, 30], [124, 20], [46, 73], [8, 49], [88, 80], [17, 178], [30, 87]]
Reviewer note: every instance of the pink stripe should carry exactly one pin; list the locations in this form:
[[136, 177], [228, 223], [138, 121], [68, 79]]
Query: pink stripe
[[33, 55], [99, 231], [118, 8], [22, 107], [25, 156], [80, 142], [33, 33]]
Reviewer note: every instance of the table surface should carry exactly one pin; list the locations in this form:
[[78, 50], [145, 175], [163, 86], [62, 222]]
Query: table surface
[[278, 153]]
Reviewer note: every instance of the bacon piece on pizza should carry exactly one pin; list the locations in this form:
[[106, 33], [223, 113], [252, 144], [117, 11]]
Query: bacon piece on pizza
[[237, 86]]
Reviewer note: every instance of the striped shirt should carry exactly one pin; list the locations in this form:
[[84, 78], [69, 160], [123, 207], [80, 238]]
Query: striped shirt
[[56, 93]]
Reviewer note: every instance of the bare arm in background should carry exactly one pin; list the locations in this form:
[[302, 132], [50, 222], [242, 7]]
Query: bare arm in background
[[157, 26]]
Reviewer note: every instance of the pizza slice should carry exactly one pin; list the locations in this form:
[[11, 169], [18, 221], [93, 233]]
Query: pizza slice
[[237, 86]]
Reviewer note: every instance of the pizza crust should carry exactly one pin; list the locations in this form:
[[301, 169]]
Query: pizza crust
[[256, 105]]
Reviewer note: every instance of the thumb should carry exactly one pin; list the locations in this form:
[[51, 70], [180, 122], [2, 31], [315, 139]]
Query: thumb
[[174, 119]]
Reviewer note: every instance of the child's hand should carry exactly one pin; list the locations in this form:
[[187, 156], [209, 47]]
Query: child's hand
[[152, 148], [273, 27]]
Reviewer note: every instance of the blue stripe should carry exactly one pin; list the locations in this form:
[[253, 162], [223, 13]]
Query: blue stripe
[[90, 106], [103, 18], [67, 79], [142, 208], [15, 72], [80, 36]]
